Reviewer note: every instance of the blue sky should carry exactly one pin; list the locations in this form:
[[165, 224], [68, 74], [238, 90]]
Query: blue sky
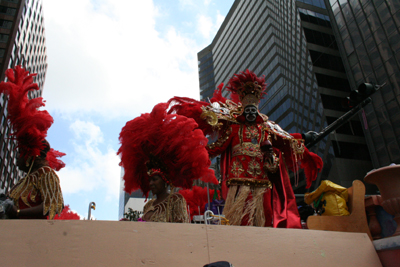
[[108, 62]]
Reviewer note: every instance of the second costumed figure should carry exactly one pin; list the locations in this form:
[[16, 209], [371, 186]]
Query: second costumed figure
[[160, 150]]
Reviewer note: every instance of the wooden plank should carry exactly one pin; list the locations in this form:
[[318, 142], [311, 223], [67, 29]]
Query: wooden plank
[[112, 243], [248, 246]]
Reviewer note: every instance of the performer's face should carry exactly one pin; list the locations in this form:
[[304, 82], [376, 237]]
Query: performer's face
[[250, 113], [21, 163], [157, 185]]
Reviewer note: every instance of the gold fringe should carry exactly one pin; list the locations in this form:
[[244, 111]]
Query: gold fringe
[[234, 214], [259, 215], [255, 208], [230, 198]]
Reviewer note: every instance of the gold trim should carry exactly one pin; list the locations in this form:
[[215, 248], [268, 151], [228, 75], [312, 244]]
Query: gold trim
[[272, 165], [210, 117], [254, 168], [221, 140], [247, 148], [237, 168], [249, 182]]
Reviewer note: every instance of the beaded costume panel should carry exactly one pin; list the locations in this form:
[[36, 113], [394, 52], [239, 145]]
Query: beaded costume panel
[[171, 209], [40, 186]]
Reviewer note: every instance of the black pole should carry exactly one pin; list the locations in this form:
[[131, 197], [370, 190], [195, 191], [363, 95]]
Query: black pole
[[339, 122]]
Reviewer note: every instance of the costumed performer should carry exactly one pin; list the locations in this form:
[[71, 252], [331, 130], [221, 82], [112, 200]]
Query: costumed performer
[[255, 154], [160, 150], [38, 194]]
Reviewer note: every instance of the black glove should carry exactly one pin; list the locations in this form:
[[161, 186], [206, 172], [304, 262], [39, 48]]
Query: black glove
[[309, 137]]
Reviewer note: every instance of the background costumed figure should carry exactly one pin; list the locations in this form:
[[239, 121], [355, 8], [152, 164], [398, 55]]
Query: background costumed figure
[[160, 149], [255, 154], [197, 199], [38, 194]]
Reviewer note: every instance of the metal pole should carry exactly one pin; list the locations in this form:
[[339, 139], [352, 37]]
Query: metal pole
[[339, 122], [208, 198]]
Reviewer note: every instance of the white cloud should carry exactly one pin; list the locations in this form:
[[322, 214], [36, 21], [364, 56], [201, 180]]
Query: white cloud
[[187, 3], [205, 25], [220, 19], [110, 59], [90, 169]]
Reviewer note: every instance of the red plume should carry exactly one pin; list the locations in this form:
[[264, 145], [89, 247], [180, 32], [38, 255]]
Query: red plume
[[29, 124], [236, 83], [67, 214], [195, 198], [173, 139]]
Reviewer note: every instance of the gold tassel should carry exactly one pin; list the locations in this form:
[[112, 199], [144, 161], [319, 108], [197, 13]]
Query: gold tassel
[[234, 214]]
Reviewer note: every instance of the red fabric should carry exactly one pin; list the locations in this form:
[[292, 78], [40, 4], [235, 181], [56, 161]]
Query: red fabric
[[225, 163], [37, 202], [67, 214], [284, 204], [29, 124], [310, 162], [281, 203], [172, 139]]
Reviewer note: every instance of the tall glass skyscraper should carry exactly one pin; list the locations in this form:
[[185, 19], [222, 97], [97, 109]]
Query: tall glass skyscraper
[[292, 43], [22, 42], [368, 34]]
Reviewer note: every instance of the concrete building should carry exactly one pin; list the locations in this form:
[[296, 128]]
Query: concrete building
[[22, 42], [293, 44]]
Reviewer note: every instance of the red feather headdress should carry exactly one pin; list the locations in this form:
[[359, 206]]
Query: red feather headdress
[[247, 88], [163, 143], [29, 124]]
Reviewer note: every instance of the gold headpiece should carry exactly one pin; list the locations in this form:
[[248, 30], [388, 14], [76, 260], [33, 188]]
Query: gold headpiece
[[249, 89], [250, 99]]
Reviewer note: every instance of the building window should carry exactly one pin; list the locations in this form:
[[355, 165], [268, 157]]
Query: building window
[[3, 38], [7, 10], [5, 24]]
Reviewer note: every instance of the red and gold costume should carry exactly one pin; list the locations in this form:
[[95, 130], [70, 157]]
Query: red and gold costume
[[256, 187], [30, 127], [172, 209], [41, 186], [167, 145]]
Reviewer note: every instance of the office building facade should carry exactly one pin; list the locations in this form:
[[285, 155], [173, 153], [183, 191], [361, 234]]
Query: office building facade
[[292, 43], [22, 42], [368, 34]]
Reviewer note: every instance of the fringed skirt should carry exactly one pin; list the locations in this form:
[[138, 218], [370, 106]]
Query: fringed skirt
[[248, 202]]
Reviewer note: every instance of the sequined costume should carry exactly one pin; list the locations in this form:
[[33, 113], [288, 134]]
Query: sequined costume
[[256, 187], [171, 209], [250, 176], [41, 186]]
